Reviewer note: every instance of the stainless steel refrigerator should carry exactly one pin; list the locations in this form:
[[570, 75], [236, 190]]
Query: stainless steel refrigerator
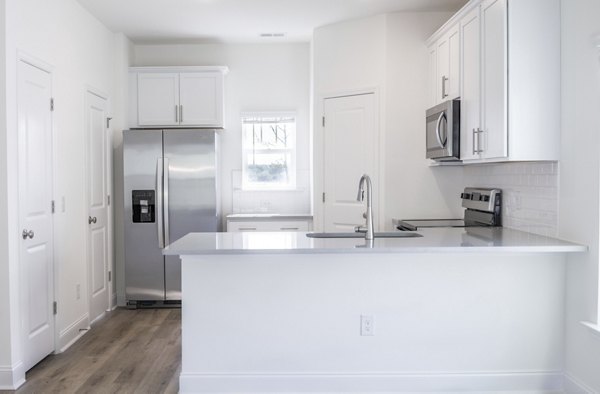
[[170, 189]]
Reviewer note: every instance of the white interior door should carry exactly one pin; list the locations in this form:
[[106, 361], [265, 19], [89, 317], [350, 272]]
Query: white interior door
[[97, 197], [351, 140], [35, 213]]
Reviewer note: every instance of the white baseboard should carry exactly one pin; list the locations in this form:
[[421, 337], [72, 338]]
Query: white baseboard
[[516, 383], [72, 333], [12, 377], [113, 302], [575, 386]]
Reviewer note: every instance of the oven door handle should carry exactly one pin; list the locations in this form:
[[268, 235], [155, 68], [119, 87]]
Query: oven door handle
[[437, 131]]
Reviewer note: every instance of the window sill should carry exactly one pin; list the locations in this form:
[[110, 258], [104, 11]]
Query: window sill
[[253, 188], [594, 328], [259, 189]]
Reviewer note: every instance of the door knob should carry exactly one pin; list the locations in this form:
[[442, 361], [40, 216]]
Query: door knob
[[92, 220], [27, 234]]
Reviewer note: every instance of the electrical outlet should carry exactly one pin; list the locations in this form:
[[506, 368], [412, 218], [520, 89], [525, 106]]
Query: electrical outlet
[[367, 326], [78, 291]]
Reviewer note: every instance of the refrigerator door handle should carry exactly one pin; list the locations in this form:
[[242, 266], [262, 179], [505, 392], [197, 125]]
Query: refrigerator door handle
[[167, 240], [159, 202]]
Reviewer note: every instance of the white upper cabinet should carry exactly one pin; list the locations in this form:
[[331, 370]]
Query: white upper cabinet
[[444, 63], [176, 97], [201, 99], [509, 82], [158, 98], [470, 115], [432, 95], [492, 137]]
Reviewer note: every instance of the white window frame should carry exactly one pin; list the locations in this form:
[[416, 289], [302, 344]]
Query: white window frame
[[253, 186]]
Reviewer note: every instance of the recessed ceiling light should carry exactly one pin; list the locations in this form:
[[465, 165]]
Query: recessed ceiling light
[[268, 35]]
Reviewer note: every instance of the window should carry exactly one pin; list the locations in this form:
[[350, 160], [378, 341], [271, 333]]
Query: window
[[269, 151]]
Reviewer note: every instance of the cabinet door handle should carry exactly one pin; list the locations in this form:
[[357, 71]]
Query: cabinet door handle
[[247, 229], [176, 114], [477, 140], [479, 144], [289, 228], [181, 113], [444, 80]]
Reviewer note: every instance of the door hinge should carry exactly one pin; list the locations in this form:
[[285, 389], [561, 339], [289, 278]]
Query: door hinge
[[52, 104], [323, 121], [108, 199], [323, 197], [55, 307], [108, 122], [53, 206], [110, 276]]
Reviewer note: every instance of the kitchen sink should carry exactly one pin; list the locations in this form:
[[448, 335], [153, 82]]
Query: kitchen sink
[[392, 234]]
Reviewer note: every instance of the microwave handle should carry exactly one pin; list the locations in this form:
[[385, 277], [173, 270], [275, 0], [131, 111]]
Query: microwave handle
[[437, 131]]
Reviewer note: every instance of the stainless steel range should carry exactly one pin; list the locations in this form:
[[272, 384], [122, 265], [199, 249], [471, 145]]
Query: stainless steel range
[[483, 209]]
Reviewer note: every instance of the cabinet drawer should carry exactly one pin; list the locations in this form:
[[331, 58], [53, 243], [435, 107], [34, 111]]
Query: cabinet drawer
[[271, 225]]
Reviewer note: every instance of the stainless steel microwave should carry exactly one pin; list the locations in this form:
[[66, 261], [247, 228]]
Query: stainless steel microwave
[[443, 131]]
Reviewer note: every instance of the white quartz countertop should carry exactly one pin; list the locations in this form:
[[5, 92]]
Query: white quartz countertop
[[434, 240]]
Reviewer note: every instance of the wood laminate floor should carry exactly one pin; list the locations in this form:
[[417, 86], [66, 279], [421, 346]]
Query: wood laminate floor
[[128, 351]]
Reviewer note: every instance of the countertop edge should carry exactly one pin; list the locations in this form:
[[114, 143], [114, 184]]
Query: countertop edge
[[407, 250]]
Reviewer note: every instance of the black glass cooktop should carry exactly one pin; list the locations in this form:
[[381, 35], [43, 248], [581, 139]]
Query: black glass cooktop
[[413, 225]]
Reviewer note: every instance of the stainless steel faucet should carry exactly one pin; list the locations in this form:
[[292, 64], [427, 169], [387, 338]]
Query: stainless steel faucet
[[368, 227]]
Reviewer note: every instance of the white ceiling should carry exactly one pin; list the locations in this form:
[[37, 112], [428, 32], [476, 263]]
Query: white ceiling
[[182, 21]]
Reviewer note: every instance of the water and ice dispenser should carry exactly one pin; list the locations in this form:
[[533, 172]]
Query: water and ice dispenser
[[143, 202]]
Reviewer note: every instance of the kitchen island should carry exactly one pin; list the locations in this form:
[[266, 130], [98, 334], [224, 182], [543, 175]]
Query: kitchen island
[[455, 310]]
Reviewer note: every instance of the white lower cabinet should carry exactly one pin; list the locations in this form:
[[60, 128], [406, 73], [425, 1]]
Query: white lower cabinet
[[268, 225]]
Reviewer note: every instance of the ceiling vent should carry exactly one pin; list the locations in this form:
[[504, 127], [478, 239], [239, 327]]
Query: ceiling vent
[[272, 35]]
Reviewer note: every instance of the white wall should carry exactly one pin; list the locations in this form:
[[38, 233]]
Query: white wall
[[7, 352], [387, 53], [262, 77], [123, 59], [414, 189], [579, 184], [81, 51], [346, 57]]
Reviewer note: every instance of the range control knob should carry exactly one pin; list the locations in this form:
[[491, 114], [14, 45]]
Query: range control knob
[[486, 198], [465, 196]]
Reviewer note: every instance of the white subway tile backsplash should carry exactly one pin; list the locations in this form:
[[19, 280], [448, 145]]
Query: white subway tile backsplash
[[530, 193]]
